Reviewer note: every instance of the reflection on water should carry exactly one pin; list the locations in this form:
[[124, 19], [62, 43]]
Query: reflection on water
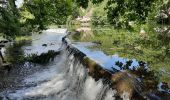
[[108, 62]]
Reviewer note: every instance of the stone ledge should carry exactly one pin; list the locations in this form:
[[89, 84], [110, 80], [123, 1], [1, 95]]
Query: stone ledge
[[97, 71]]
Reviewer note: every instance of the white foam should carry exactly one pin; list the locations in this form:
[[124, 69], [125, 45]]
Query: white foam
[[60, 30]]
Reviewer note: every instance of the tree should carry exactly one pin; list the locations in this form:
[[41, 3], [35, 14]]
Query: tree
[[46, 12], [9, 23], [121, 12]]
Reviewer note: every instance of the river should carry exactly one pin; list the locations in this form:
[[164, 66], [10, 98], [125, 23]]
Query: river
[[64, 78]]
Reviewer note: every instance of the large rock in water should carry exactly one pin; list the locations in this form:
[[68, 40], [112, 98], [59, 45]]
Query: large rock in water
[[126, 85]]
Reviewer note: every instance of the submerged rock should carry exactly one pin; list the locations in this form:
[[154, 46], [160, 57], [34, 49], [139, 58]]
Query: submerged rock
[[124, 82], [2, 45], [43, 58], [163, 87], [45, 45]]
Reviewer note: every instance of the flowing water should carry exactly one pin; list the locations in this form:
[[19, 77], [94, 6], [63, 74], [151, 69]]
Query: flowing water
[[65, 78]]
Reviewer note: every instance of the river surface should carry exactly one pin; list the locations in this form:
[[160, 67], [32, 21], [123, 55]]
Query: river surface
[[65, 78]]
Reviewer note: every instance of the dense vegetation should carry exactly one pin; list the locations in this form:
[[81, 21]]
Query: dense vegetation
[[34, 15], [9, 23]]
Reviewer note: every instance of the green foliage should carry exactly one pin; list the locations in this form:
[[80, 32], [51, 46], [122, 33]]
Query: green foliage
[[9, 23], [99, 16], [75, 11], [25, 16], [34, 15], [46, 12], [82, 3], [121, 12]]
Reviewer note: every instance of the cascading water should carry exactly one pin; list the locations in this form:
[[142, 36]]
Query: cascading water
[[65, 78]]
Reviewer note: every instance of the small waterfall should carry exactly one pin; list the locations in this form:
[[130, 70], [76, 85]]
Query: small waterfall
[[64, 79]]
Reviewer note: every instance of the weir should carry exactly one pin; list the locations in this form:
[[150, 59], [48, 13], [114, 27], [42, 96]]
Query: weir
[[71, 75], [64, 78], [99, 72]]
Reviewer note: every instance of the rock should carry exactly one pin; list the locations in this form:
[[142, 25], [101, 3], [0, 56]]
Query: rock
[[125, 83], [163, 87], [4, 41], [45, 45], [44, 57], [2, 45]]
